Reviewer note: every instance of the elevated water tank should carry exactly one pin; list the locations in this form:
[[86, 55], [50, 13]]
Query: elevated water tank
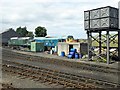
[[101, 18]]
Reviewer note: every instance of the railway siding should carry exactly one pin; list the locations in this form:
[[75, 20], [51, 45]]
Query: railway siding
[[28, 70], [46, 76], [47, 58], [77, 65], [63, 66]]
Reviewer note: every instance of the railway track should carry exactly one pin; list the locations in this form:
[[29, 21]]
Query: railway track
[[6, 86], [53, 76], [82, 66], [8, 54], [46, 75]]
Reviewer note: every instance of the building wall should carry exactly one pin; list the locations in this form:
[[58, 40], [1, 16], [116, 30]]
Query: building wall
[[77, 46], [63, 46], [84, 48], [7, 35], [37, 47], [48, 42]]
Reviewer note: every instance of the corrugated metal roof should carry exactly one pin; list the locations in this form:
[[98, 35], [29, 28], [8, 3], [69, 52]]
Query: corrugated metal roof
[[24, 38], [14, 38], [20, 38], [44, 38]]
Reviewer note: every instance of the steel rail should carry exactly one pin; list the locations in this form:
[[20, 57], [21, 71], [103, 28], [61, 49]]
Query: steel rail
[[58, 74]]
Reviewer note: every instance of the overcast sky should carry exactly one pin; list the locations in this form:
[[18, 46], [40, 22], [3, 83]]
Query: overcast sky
[[60, 17]]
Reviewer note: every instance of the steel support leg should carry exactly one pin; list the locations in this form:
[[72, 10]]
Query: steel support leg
[[119, 44], [89, 45], [108, 48], [100, 46], [90, 40], [88, 36]]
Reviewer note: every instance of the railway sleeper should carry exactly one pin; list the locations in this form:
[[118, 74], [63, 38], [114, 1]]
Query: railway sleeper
[[76, 83], [13, 67], [44, 79], [54, 77], [42, 74], [110, 84], [30, 66], [65, 76], [53, 80], [49, 80], [69, 84], [80, 83], [39, 78], [106, 84]]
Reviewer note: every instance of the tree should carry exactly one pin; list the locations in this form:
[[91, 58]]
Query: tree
[[40, 31], [11, 29], [30, 34], [22, 31]]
